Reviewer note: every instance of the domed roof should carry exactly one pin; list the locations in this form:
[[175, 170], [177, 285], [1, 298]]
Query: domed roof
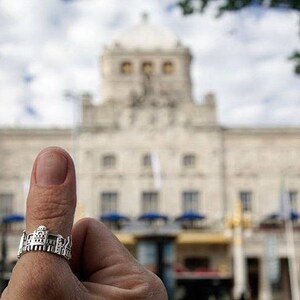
[[146, 36]]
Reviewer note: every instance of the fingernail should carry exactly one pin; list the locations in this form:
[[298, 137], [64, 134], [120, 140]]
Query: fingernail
[[51, 169]]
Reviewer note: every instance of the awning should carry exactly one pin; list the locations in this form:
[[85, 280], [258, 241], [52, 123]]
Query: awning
[[11, 218], [152, 216], [190, 216], [113, 217], [125, 238], [202, 238]]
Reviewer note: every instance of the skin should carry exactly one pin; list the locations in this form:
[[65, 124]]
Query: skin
[[100, 269]]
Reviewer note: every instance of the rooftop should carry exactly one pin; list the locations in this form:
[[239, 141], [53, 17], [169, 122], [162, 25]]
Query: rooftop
[[146, 36]]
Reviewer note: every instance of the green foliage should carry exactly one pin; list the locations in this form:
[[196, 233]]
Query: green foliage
[[296, 58], [189, 7]]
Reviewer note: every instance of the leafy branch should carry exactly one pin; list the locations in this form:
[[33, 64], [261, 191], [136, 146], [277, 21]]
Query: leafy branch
[[189, 7]]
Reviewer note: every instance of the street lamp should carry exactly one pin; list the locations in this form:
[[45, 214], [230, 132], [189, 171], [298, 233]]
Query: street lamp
[[238, 222], [76, 101]]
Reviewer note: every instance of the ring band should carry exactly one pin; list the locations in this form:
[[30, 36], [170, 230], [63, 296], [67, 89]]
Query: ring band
[[42, 240]]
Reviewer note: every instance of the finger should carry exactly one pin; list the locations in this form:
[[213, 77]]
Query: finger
[[51, 202], [96, 248], [52, 195], [100, 258]]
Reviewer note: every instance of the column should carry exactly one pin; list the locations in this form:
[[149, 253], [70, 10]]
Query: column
[[265, 292]]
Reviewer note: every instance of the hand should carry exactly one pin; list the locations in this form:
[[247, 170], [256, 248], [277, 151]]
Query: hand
[[101, 268]]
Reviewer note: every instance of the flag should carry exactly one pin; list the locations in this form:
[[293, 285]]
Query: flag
[[156, 170]]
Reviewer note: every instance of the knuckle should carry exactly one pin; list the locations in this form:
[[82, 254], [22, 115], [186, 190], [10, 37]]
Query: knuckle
[[50, 204], [48, 211], [155, 288], [147, 285]]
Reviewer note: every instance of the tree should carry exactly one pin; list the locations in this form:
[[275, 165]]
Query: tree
[[189, 7]]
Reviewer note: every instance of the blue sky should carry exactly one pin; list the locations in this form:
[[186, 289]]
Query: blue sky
[[51, 46]]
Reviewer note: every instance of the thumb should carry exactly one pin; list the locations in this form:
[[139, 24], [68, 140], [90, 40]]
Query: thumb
[[52, 195], [51, 202]]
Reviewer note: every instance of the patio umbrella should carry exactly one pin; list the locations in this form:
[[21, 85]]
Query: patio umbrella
[[11, 218], [190, 216], [113, 217], [293, 215], [152, 216]]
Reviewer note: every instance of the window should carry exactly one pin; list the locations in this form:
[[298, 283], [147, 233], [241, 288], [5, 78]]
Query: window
[[293, 195], [109, 161], [150, 202], [168, 68], [126, 68], [147, 68], [190, 201], [109, 202], [189, 160], [246, 199], [6, 204], [146, 160]]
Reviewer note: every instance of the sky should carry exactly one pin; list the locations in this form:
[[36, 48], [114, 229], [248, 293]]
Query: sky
[[51, 47]]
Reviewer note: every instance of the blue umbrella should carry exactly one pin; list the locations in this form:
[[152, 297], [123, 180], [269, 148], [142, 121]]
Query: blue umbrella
[[293, 215], [11, 218], [190, 216], [113, 217], [152, 216]]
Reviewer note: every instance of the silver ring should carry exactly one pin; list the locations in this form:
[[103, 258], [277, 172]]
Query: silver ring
[[42, 240]]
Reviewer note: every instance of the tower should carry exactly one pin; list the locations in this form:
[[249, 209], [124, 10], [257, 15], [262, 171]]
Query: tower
[[146, 82], [146, 61]]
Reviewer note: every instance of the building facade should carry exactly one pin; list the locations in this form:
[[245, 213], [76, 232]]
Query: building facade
[[149, 148]]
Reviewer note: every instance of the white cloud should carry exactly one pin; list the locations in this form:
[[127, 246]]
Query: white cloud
[[242, 57]]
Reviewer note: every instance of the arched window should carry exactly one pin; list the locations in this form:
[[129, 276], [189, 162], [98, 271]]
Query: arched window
[[147, 68], [168, 68], [126, 68]]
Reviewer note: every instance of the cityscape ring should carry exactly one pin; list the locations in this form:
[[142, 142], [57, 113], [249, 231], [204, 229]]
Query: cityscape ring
[[42, 240]]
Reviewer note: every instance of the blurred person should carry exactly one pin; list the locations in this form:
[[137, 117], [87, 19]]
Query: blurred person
[[100, 267]]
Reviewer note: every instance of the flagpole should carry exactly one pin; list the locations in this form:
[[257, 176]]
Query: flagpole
[[76, 102], [76, 99]]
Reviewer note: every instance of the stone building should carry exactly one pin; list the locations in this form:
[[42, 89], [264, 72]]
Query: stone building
[[149, 148]]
